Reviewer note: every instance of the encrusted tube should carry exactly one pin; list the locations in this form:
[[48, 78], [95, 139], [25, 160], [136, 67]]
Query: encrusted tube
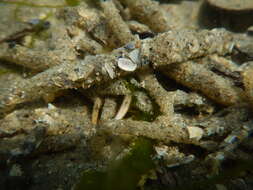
[[155, 130], [180, 46], [33, 59], [248, 81], [150, 13], [116, 25], [197, 77], [102, 68]]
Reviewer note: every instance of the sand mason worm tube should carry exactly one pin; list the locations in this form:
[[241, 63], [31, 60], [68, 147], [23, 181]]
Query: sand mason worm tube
[[56, 49], [153, 130], [179, 46], [150, 13], [104, 67], [197, 77], [163, 98], [119, 29], [137, 27], [33, 59], [248, 82], [83, 42], [84, 74]]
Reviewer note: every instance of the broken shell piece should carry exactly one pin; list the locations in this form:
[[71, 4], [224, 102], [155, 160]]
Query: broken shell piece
[[161, 151], [15, 170], [195, 133], [124, 107], [126, 64], [51, 106], [231, 139], [134, 56], [96, 109], [109, 70]]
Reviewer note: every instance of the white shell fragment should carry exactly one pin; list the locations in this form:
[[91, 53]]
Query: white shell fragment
[[195, 133], [126, 64], [124, 107], [50, 106], [134, 56], [161, 151], [109, 70], [231, 139], [15, 170], [95, 111]]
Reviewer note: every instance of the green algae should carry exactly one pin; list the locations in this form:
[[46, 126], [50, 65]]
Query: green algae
[[72, 3], [139, 115], [123, 174], [134, 112], [4, 71], [91, 180]]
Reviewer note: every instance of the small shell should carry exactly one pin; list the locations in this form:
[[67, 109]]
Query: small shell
[[126, 64], [134, 56], [195, 133]]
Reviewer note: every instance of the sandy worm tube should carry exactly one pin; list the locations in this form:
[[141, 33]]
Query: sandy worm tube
[[103, 68]]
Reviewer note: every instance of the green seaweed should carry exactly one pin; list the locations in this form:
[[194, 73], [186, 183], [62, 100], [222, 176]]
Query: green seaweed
[[72, 3], [139, 115], [123, 174], [147, 116], [134, 112], [91, 180], [4, 71], [130, 85]]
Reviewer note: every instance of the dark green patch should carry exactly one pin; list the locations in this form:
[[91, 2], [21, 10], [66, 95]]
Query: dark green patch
[[134, 112], [123, 174], [91, 180], [234, 170], [139, 115], [4, 71], [72, 2]]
